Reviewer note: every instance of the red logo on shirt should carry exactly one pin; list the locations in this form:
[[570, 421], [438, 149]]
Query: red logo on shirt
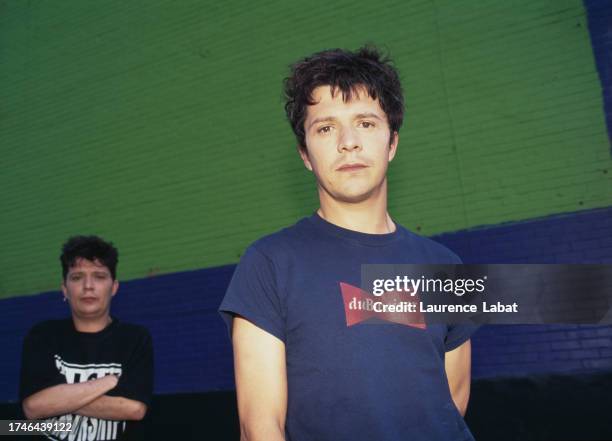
[[395, 307]]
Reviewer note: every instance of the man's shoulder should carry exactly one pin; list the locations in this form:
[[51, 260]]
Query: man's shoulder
[[48, 333], [132, 329], [48, 327], [285, 240], [433, 251]]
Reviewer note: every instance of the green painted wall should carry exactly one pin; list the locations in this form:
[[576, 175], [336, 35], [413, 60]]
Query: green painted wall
[[159, 124]]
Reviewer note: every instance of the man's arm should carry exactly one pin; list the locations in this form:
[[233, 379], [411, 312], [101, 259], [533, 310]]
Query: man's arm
[[261, 382], [114, 408], [130, 399], [66, 398], [457, 364]]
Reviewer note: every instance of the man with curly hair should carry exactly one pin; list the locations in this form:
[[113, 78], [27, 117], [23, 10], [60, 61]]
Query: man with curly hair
[[305, 370]]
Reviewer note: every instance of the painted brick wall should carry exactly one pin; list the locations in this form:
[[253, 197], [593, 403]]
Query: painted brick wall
[[524, 350], [160, 125], [599, 14], [584, 237], [192, 348]]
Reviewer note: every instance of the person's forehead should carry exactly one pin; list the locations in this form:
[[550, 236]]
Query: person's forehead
[[82, 264], [326, 101]]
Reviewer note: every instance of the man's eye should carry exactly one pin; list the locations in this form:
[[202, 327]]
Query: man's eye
[[366, 124], [324, 129], [75, 278], [100, 276]]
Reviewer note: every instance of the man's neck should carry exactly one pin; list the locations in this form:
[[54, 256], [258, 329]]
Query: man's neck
[[91, 325], [369, 216]]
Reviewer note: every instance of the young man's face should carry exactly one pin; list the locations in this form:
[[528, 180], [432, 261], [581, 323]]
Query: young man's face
[[89, 288], [348, 146]]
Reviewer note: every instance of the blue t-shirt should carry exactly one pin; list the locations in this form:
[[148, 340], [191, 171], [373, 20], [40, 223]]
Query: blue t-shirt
[[361, 382]]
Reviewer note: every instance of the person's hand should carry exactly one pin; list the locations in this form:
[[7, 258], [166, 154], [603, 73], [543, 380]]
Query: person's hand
[[111, 380]]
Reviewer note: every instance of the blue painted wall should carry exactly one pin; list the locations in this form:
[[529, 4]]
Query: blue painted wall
[[599, 14], [584, 237], [192, 348]]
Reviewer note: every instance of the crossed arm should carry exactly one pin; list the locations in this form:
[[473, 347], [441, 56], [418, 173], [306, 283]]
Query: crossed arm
[[87, 399]]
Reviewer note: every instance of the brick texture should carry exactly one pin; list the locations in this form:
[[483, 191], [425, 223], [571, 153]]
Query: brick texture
[[160, 125], [517, 350]]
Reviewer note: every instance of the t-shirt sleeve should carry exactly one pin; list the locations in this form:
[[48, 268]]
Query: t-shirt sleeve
[[38, 370], [254, 295], [456, 335], [136, 380]]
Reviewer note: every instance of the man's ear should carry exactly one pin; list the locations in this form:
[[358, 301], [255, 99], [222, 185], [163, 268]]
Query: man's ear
[[304, 155], [115, 287], [393, 145], [64, 290]]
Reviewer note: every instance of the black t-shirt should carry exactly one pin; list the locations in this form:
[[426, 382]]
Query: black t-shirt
[[54, 352]]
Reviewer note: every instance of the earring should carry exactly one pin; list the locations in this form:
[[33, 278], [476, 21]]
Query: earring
[[64, 299]]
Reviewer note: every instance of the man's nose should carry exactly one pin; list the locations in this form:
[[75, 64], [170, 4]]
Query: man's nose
[[88, 282], [349, 140]]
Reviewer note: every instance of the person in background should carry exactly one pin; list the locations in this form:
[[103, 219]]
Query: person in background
[[90, 373]]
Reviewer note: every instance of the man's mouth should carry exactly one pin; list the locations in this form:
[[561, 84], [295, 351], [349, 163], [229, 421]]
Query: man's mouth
[[351, 167], [89, 299]]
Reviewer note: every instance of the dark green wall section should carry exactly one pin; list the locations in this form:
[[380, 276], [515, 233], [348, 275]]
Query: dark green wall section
[[159, 124]]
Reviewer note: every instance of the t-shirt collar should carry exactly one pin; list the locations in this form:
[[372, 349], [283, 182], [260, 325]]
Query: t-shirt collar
[[355, 236]]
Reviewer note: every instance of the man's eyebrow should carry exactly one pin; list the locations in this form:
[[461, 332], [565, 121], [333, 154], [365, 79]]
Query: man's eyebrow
[[321, 119], [368, 115], [80, 273], [358, 116]]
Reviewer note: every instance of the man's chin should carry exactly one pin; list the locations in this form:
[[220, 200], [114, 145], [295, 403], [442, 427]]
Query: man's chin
[[353, 197], [90, 314], [350, 194]]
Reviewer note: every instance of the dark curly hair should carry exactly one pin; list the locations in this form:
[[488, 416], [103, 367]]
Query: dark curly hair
[[92, 248], [347, 72]]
